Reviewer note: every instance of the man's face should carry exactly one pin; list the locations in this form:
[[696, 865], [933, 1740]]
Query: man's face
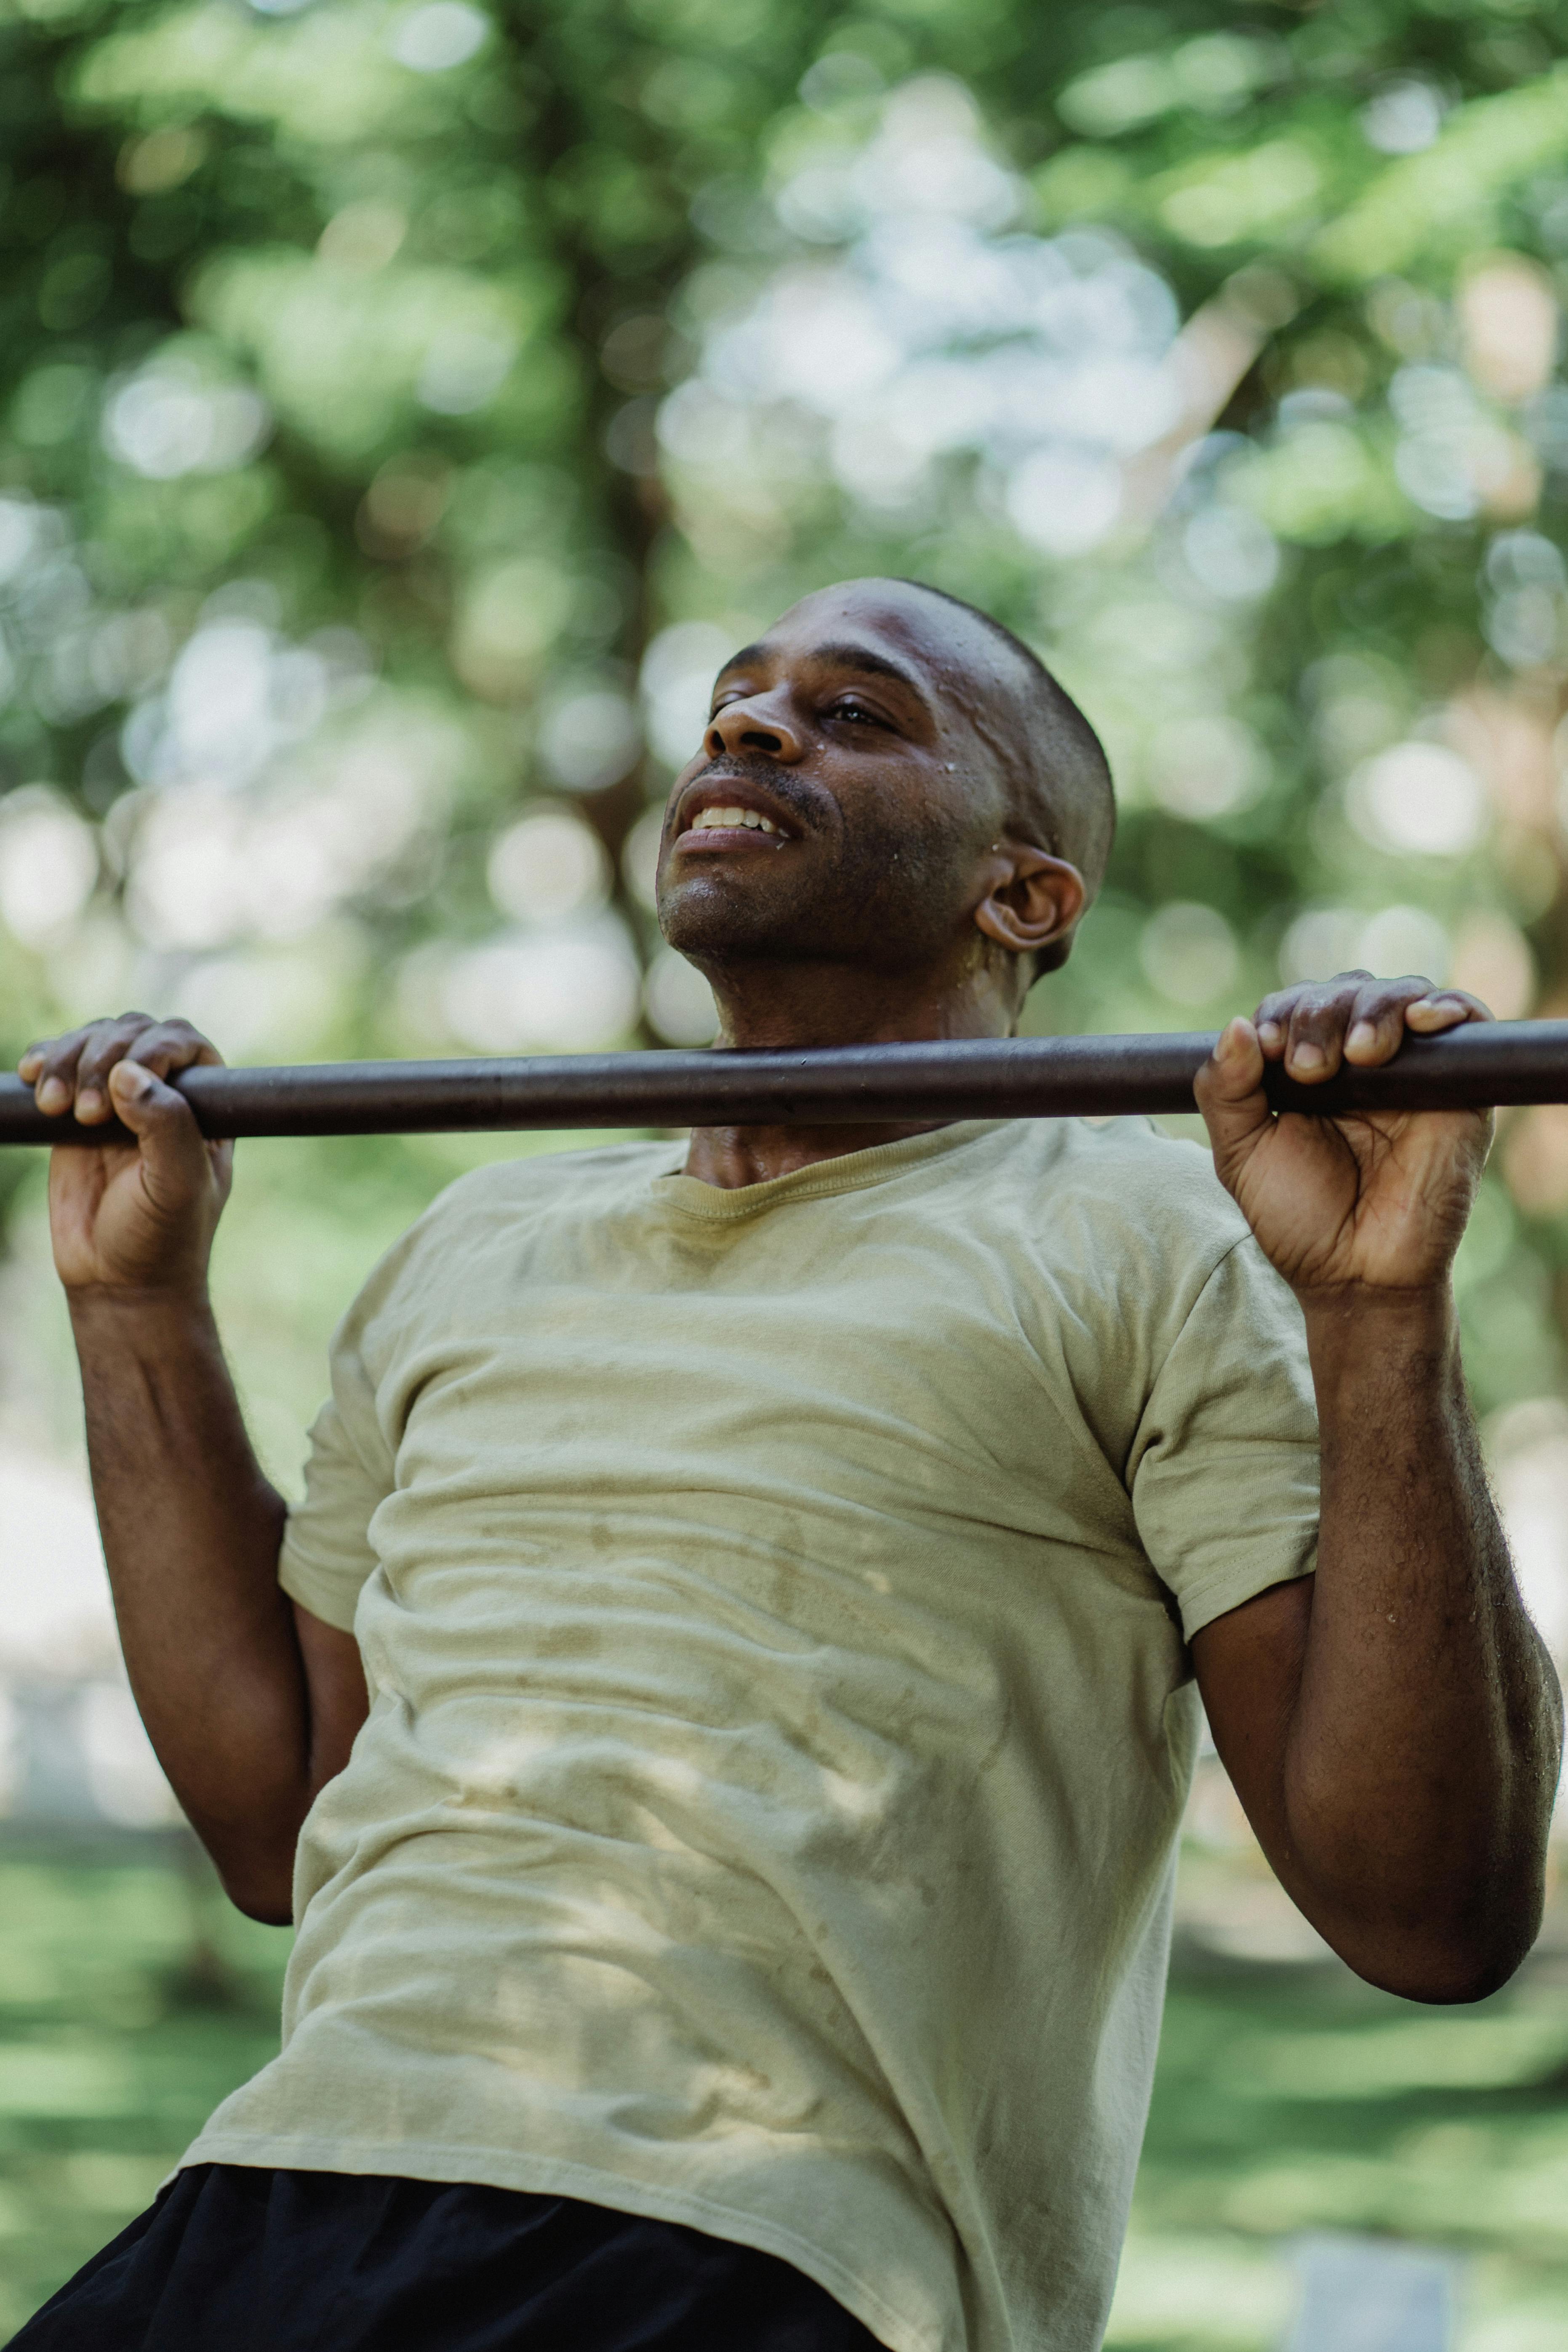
[[847, 785]]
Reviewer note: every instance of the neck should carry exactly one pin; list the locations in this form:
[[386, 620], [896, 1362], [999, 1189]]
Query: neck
[[796, 1005]]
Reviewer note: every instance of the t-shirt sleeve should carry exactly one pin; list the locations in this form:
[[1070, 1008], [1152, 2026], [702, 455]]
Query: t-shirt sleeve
[[1224, 1468], [327, 1553]]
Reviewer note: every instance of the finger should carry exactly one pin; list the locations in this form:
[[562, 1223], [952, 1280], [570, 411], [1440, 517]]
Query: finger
[[1377, 1019], [170, 1045], [1446, 1008], [48, 1066], [101, 1045], [174, 1159], [164, 1046], [1272, 1022], [1315, 1039], [1229, 1092], [1278, 1012]]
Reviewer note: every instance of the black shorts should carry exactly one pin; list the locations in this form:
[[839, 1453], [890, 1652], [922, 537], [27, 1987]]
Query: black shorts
[[234, 2258]]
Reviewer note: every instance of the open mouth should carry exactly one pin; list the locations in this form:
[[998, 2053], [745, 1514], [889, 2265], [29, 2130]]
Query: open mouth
[[722, 820], [722, 815]]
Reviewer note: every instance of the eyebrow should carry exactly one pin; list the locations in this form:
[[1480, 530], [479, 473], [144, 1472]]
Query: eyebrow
[[837, 655]]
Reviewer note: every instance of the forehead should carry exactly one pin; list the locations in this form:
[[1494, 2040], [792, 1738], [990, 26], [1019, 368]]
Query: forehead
[[953, 655]]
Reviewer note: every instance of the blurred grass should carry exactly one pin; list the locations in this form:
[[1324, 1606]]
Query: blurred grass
[[1294, 2098], [132, 1998], [1288, 2097]]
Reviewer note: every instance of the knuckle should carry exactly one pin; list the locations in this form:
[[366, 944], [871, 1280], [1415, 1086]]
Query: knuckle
[[170, 1041], [94, 1036]]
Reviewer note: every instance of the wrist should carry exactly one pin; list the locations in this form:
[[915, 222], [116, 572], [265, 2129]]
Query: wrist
[[1357, 1331], [146, 1315]]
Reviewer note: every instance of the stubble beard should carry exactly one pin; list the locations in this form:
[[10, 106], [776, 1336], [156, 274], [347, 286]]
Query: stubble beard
[[888, 900]]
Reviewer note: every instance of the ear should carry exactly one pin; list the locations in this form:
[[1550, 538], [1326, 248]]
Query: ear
[[1032, 903]]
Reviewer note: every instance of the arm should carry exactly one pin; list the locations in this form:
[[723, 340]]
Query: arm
[[251, 1704], [1392, 1726]]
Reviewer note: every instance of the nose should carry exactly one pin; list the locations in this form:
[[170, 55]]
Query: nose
[[757, 723]]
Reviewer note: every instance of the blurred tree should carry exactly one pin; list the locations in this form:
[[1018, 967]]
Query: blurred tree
[[404, 404]]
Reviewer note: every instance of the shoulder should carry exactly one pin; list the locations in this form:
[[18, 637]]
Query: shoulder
[[1113, 1233], [512, 1198], [1119, 1177], [541, 1181]]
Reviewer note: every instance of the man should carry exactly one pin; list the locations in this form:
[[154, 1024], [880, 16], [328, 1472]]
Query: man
[[779, 1565]]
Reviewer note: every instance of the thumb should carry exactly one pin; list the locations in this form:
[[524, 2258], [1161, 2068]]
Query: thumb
[[173, 1149], [1229, 1092]]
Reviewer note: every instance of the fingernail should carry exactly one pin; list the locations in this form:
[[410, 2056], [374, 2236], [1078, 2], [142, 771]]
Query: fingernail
[[1269, 1033], [29, 1066], [53, 1095], [1308, 1057], [90, 1101], [1363, 1033], [130, 1078]]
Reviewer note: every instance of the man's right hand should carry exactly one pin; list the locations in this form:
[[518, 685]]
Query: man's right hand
[[251, 1703], [124, 1217]]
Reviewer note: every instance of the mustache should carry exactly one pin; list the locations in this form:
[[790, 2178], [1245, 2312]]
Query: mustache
[[807, 801]]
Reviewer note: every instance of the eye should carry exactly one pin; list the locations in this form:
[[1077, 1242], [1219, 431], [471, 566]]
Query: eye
[[851, 707]]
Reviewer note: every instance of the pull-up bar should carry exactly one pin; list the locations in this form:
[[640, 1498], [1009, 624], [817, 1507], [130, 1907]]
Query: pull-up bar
[[1008, 1077]]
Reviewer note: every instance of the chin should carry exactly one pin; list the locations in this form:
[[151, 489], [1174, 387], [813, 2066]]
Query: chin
[[868, 917], [712, 925]]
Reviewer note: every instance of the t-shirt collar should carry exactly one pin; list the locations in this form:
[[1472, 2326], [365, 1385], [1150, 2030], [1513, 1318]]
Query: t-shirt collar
[[848, 1171]]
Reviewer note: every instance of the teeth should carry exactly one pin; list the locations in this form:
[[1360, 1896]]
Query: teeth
[[709, 820]]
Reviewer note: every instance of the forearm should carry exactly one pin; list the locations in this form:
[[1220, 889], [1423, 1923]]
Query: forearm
[[1424, 1739], [190, 1533]]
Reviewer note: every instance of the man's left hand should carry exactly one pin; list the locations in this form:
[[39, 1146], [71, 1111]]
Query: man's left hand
[[1371, 1200]]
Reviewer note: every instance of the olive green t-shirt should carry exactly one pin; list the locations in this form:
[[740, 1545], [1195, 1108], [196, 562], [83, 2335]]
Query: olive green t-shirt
[[774, 1605]]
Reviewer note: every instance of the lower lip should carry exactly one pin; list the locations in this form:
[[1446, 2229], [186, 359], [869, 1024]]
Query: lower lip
[[728, 837]]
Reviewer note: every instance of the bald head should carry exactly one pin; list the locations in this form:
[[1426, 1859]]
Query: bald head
[[1063, 794]]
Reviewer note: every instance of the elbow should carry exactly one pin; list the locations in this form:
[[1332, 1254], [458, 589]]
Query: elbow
[[1451, 1981], [1450, 1969], [266, 1907], [260, 1886], [269, 1905], [255, 1864]]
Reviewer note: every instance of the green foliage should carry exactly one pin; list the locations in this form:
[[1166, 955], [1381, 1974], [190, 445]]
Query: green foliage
[[386, 389]]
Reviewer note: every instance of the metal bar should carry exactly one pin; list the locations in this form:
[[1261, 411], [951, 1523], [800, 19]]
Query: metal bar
[[1011, 1077]]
